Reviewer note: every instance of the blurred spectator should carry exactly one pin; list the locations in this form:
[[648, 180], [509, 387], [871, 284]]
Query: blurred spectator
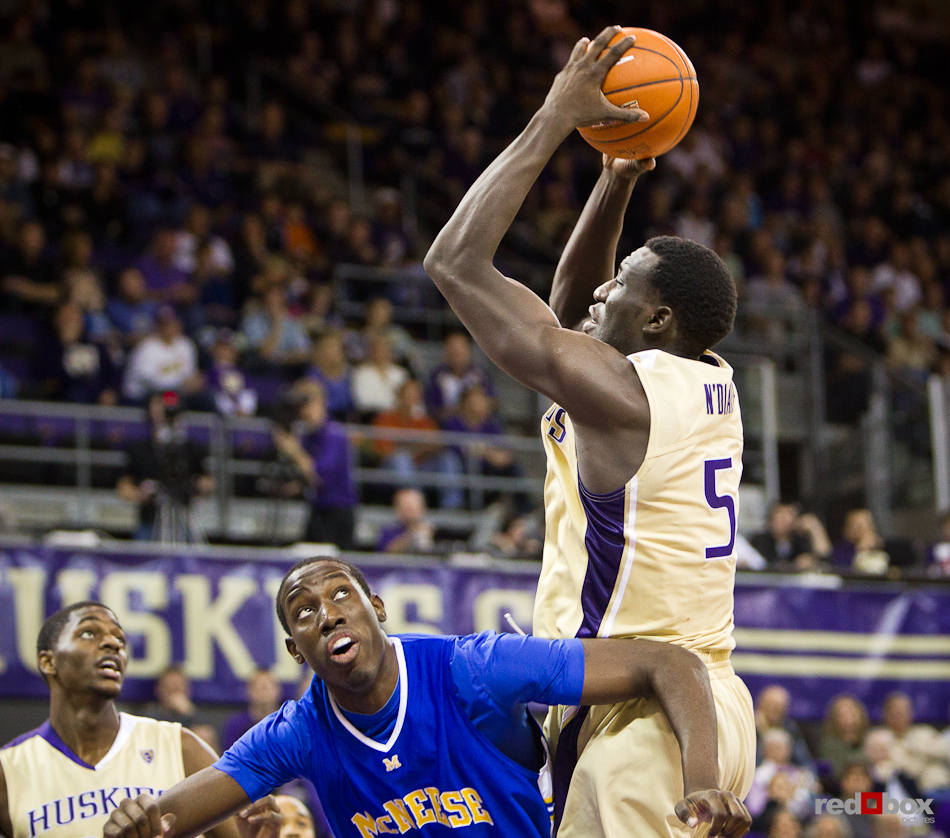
[[73, 369], [320, 451], [377, 380], [747, 557], [794, 793], [83, 288], [9, 386], [273, 331], [861, 547], [792, 538], [329, 367], [390, 238], [411, 532], [855, 779], [264, 696], [777, 821], [319, 315], [848, 381], [879, 749], [771, 712], [226, 383], [296, 821], [196, 233], [207, 732], [29, 281], [842, 735], [919, 751], [520, 538], [165, 282], [938, 553], [163, 473], [770, 296], [130, 311], [910, 351], [173, 698], [409, 458], [457, 373], [379, 320], [895, 276], [474, 416], [165, 360], [829, 826]]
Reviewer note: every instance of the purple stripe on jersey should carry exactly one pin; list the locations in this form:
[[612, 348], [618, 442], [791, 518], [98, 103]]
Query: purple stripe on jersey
[[604, 541], [565, 761], [46, 731]]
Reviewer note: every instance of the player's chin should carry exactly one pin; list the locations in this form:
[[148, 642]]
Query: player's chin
[[588, 326], [109, 689]]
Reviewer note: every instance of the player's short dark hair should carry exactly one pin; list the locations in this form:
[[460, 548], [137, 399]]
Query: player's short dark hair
[[351, 569], [696, 284], [55, 623]]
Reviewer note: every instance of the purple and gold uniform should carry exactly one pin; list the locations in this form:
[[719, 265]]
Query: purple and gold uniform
[[654, 559]]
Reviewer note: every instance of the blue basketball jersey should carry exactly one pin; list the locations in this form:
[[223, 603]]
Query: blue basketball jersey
[[434, 771]]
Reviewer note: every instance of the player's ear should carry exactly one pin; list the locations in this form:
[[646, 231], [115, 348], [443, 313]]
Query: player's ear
[[378, 607], [45, 662], [660, 320], [292, 648]]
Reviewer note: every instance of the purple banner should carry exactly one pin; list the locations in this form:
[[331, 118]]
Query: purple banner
[[215, 616]]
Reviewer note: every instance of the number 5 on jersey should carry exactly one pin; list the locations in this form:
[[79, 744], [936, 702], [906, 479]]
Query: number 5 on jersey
[[717, 501]]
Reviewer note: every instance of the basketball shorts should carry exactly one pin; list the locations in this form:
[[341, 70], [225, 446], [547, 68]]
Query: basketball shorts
[[628, 773]]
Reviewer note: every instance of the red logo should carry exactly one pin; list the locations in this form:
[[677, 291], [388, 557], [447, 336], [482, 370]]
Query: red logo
[[872, 803]]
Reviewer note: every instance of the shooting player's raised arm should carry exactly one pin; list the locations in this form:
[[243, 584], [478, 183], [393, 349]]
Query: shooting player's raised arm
[[589, 258], [514, 327]]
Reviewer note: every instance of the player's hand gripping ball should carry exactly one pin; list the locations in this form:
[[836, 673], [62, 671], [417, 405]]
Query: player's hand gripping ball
[[656, 76]]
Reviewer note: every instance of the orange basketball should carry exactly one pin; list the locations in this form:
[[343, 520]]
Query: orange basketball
[[656, 76]]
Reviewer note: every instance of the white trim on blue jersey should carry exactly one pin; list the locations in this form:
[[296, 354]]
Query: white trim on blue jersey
[[402, 686]]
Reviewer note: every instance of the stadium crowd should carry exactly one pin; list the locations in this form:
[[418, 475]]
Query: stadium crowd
[[172, 213]]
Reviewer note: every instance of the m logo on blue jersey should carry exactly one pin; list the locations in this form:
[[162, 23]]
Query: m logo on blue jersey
[[392, 764]]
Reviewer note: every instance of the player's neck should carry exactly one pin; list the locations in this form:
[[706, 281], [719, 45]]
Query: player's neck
[[88, 725], [373, 699]]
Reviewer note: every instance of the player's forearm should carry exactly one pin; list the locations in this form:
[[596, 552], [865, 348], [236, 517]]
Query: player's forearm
[[589, 258], [202, 802], [477, 226], [619, 669], [681, 685], [504, 317]]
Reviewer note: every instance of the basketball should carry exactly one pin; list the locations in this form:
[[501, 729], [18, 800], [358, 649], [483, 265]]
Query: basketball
[[658, 77]]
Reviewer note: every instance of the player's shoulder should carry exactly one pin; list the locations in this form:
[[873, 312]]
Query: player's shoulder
[[146, 724], [25, 738], [431, 646]]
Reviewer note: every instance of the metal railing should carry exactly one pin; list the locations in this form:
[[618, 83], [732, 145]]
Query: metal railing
[[938, 396], [78, 428]]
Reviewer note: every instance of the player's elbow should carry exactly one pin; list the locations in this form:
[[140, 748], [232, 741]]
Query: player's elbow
[[673, 665], [435, 264]]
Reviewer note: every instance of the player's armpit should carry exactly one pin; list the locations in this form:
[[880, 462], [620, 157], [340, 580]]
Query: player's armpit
[[618, 669]]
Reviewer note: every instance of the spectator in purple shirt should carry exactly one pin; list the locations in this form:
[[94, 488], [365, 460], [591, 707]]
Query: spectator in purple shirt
[[263, 697], [475, 416], [411, 532], [320, 451], [164, 280], [132, 314], [454, 375]]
